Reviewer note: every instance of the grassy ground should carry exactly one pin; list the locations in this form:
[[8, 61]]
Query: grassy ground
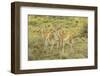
[[75, 25]]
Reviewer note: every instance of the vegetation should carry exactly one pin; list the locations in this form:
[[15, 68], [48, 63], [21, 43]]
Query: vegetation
[[57, 37]]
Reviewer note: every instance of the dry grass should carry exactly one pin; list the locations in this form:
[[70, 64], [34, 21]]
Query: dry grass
[[75, 25]]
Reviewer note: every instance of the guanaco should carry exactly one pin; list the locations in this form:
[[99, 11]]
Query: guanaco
[[49, 38]]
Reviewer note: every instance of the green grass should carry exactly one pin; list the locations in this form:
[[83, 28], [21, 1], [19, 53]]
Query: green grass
[[75, 25]]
